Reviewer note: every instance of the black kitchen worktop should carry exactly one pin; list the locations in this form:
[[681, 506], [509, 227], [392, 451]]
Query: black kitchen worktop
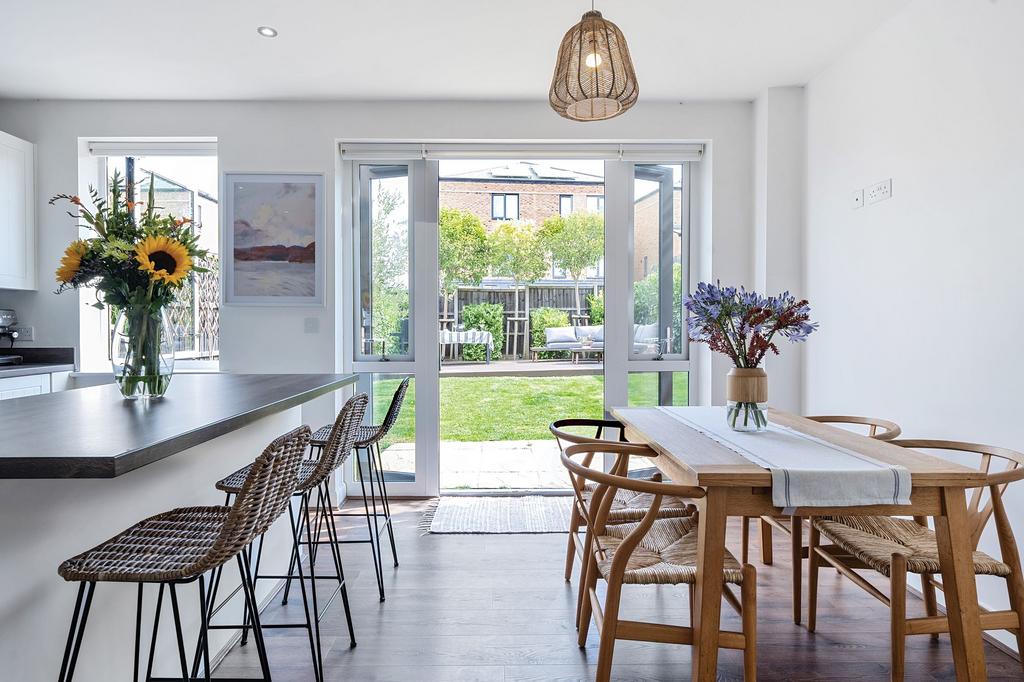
[[94, 433], [36, 360]]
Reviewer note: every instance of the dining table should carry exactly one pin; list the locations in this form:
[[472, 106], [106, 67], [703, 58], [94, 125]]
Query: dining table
[[736, 486]]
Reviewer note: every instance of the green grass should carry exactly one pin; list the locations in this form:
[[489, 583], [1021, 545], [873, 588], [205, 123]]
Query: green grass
[[515, 408]]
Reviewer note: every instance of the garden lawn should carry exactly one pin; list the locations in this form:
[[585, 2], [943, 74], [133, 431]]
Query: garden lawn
[[515, 408]]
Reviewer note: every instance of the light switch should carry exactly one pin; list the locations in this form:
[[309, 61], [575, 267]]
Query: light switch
[[312, 325], [857, 199]]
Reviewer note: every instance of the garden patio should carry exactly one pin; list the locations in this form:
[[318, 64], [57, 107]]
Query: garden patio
[[494, 420]]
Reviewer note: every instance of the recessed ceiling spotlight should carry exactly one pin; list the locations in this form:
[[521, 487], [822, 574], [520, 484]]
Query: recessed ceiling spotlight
[[267, 31]]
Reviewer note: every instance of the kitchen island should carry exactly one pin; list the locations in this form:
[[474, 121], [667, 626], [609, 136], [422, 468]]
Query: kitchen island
[[77, 467]]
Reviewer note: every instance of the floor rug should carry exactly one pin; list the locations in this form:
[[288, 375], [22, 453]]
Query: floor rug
[[487, 515]]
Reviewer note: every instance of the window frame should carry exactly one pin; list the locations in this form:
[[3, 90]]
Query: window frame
[[364, 174], [504, 205], [572, 202]]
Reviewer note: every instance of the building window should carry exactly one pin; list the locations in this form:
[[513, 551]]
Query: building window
[[564, 204], [504, 207], [595, 203]]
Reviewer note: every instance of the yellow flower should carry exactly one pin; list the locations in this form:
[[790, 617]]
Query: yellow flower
[[72, 260], [165, 259]]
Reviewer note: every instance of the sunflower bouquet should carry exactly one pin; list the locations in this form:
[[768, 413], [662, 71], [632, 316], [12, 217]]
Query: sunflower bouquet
[[137, 261]]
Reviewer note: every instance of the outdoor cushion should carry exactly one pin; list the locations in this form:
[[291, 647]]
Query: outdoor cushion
[[562, 345], [645, 332], [560, 335], [595, 332]]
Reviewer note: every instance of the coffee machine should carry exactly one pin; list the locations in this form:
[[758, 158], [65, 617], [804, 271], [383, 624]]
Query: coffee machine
[[8, 321]]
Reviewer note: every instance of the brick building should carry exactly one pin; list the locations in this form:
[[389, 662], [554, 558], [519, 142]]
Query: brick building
[[532, 192]]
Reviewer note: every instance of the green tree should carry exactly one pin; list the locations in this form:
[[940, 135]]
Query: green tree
[[517, 252], [576, 243], [462, 253], [389, 259]]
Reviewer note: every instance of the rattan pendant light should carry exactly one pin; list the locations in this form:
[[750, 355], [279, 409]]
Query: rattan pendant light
[[594, 77]]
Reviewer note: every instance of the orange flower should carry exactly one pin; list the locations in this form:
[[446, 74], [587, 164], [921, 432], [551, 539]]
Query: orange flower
[[76, 201], [130, 205], [181, 221]]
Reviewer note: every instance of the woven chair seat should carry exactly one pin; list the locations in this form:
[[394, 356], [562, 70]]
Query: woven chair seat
[[169, 546], [666, 556], [233, 482], [631, 506], [874, 539]]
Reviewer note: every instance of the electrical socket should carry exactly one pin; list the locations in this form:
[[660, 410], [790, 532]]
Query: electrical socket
[[880, 191], [857, 199], [25, 333]]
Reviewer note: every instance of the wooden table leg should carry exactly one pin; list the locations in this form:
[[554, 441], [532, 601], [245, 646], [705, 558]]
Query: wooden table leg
[[708, 607], [955, 556], [797, 557]]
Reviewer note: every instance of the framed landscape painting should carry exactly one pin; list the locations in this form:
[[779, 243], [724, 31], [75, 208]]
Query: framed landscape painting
[[273, 238]]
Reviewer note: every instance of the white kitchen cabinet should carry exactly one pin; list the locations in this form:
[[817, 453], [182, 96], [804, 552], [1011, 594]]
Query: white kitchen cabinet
[[17, 213], [19, 387]]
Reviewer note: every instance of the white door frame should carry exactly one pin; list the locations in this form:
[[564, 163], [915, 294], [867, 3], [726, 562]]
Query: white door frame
[[619, 361], [424, 350]]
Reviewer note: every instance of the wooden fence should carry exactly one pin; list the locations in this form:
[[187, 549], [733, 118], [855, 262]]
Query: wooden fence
[[517, 329]]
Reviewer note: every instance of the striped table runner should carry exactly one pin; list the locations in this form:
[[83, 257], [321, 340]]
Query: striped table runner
[[806, 471]]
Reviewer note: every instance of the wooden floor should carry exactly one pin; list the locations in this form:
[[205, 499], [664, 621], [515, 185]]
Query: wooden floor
[[464, 608]]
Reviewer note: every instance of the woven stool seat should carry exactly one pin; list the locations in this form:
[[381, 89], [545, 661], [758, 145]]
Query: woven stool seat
[[320, 436], [667, 555], [631, 506], [365, 435], [874, 539], [174, 545], [233, 483]]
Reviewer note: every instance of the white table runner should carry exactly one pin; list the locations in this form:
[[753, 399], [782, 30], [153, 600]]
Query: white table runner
[[806, 471]]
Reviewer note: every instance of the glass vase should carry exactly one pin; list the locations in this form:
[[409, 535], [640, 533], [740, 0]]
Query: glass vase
[[142, 352], [746, 393]]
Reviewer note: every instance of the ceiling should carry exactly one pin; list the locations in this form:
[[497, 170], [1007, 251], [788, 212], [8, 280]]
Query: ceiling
[[409, 49]]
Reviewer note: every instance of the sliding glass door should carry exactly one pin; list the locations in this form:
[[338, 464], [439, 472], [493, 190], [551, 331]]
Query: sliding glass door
[[406, 322]]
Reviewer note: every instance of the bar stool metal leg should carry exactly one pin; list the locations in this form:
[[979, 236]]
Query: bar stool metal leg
[[77, 630], [371, 522], [332, 532], [386, 503], [177, 632]]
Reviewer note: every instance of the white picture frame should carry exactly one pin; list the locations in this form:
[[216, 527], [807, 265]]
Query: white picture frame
[[267, 217]]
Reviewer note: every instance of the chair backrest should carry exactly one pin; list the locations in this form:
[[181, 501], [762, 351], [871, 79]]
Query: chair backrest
[[394, 408], [879, 429], [977, 513], [264, 495], [617, 479], [566, 438], [340, 441], [599, 426]]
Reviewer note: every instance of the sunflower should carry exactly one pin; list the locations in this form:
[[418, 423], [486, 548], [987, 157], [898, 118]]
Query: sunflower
[[71, 262], [165, 259]]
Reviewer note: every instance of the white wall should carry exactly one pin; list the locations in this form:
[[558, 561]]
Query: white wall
[[917, 295], [301, 136], [779, 158]]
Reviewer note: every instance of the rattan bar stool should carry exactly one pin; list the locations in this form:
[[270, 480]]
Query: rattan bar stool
[[368, 438], [895, 546], [180, 546], [313, 518], [879, 429], [652, 551]]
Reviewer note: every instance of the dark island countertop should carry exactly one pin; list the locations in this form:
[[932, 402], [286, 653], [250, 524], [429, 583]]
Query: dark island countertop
[[94, 433]]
